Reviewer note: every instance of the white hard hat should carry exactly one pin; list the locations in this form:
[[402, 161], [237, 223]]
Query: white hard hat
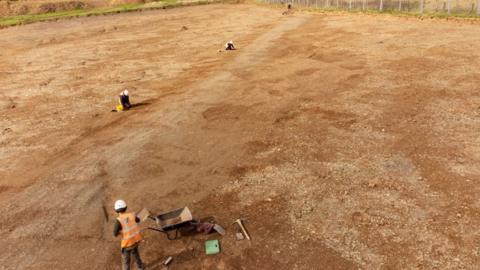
[[125, 92], [119, 204]]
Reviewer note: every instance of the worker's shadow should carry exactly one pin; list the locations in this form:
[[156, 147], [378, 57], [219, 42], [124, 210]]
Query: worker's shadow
[[139, 104]]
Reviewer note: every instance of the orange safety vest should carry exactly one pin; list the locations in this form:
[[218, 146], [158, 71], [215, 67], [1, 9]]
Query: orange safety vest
[[130, 230]]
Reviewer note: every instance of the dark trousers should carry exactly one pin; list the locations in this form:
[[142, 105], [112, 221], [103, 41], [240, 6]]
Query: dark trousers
[[127, 253], [125, 101]]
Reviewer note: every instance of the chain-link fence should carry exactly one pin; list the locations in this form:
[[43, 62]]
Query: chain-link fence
[[459, 7]]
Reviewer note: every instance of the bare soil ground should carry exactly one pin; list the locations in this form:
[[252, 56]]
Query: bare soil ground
[[22, 7], [348, 141]]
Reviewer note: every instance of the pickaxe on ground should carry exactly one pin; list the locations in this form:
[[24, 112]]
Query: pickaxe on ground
[[240, 224]]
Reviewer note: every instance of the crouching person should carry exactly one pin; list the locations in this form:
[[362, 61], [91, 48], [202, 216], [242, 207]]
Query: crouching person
[[124, 100], [229, 46], [127, 225]]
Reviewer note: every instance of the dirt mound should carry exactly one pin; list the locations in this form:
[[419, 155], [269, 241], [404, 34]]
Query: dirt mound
[[22, 7], [4, 8], [61, 6]]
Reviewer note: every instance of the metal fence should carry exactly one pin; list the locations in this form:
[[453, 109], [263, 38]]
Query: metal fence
[[459, 7]]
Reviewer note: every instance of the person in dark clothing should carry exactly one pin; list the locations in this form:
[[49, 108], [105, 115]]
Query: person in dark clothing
[[124, 100], [126, 224], [229, 46]]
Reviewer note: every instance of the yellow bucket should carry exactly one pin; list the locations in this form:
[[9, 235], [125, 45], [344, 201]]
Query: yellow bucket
[[119, 108]]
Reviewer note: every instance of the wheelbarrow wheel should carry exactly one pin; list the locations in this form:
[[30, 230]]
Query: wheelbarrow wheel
[[169, 235]]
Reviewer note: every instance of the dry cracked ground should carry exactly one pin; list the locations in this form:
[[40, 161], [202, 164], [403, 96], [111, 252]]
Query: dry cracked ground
[[346, 141]]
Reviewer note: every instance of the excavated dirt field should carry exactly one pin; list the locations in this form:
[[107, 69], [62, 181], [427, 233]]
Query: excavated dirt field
[[346, 141]]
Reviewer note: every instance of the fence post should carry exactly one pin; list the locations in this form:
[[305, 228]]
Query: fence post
[[381, 5], [449, 3], [349, 4], [421, 6], [363, 4], [478, 7], [400, 5]]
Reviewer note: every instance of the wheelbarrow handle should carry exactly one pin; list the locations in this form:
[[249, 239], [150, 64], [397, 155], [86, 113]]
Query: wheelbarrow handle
[[155, 229], [169, 237]]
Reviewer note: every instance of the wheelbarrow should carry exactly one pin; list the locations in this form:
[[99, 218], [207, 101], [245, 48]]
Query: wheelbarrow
[[173, 221]]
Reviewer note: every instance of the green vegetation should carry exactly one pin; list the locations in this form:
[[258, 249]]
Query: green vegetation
[[31, 18]]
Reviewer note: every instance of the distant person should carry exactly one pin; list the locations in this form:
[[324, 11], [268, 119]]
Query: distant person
[[127, 225], [124, 100], [229, 46], [289, 10]]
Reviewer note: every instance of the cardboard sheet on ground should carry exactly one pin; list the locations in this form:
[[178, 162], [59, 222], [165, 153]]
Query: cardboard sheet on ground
[[143, 214]]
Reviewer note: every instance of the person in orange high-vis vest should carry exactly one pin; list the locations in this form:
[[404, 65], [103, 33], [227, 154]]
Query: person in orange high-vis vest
[[127, 225]]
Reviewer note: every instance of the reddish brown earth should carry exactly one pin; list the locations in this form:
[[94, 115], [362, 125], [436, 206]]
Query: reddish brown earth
[[347, 141], [22, 7]]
